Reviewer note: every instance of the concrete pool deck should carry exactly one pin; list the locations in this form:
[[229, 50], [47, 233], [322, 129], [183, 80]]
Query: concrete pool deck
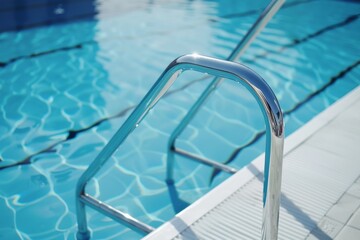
[[320, 187]]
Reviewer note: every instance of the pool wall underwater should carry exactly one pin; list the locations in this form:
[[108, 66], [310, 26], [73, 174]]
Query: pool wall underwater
[[70, 77]]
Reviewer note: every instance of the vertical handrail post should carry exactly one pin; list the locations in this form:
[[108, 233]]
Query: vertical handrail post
[[249, 37]]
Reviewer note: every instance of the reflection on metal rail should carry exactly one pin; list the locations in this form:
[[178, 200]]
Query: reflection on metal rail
[[220, 68], [260, 23]]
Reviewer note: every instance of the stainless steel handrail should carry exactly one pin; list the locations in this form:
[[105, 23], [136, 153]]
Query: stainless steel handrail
[[220, 68], [256, 28]]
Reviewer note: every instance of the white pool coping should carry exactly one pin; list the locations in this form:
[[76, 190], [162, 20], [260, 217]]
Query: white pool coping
[[194, 212]]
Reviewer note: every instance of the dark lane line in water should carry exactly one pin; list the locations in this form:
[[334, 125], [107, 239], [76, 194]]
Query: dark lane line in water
[[77, 46], [295, 42], [73, 133], [338, 76], [348, 20], [257, 11], [81, 45]]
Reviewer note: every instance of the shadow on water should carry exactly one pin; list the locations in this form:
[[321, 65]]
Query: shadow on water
[[177, 203]]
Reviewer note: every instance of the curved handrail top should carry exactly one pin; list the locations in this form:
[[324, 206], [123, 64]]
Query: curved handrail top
[[237, 72], [234, 71], [222, 68]]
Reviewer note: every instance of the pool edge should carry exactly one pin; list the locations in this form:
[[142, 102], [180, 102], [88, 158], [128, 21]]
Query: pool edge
[[210, 200]]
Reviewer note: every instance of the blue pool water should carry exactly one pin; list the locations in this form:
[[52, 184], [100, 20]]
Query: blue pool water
[[69, 80]]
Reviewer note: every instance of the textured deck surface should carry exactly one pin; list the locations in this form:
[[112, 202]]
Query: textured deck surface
[[320, 189]]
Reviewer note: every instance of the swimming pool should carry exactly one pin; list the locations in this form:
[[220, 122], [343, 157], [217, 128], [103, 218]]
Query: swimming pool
[[67, 87]]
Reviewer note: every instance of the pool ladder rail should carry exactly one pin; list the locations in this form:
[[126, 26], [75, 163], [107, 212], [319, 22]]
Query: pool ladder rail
[[245, 42], [221, 69]]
